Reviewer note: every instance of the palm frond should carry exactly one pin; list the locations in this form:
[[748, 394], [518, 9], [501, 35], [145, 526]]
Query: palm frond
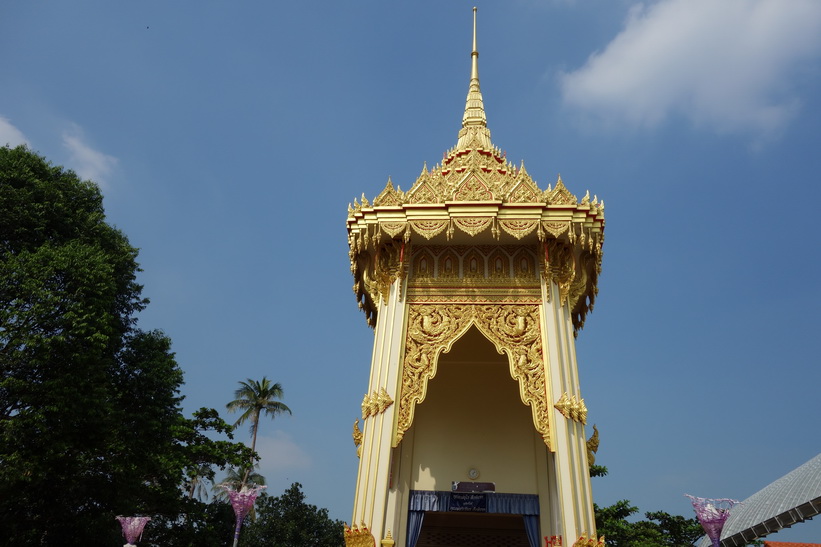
[[254, 398]]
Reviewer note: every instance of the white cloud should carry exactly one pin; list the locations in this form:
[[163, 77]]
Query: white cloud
[[87, 162], [728, 65], [10, 135], [280, 453]]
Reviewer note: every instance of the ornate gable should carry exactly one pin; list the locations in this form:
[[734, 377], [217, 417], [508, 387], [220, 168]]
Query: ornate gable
[[389, 196]]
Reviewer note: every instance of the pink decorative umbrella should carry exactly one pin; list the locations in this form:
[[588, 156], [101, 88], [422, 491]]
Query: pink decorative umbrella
[[712, 514], [133, 528], [242, 501]]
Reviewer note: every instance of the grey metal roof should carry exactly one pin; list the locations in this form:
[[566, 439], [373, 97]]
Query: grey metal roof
[[793, 498]]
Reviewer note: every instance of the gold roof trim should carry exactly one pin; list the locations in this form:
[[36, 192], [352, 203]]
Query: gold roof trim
[[476, 194]]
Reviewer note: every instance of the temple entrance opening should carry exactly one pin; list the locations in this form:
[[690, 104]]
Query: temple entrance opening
[[473, 425], [472, 530]]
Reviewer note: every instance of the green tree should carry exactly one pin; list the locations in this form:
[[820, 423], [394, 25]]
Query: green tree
[[660, 529], [253, 399], [90, 417], [288, 521], [676, 529]]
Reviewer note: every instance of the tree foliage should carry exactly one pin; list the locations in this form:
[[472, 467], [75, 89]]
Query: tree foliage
[[90, 417], [288, 521], [659, 530]]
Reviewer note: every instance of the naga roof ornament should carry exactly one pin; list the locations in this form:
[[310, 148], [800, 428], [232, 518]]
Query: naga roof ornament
[[474, 196]]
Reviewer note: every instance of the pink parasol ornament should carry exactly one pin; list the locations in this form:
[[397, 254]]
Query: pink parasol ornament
[[242, 501], [712, 514], [133, 528]]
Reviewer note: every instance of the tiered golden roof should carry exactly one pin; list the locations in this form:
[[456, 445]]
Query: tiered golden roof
[[476, 196]]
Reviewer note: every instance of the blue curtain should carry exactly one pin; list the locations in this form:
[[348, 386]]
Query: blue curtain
[[513, 504], [516, 504], [419, 502], [428, 500], [532, 529], [414, 526], [526, 505]]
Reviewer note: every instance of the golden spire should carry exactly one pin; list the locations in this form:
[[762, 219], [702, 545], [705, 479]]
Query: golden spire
[[474, 122]]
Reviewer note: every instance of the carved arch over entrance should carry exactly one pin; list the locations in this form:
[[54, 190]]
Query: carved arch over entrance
[[514, 329]]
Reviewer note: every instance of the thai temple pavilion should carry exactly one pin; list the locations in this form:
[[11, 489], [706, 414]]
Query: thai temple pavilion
[[476, 283]]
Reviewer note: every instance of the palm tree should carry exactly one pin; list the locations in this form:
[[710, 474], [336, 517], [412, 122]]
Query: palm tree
[[255, 398], [197, 478]]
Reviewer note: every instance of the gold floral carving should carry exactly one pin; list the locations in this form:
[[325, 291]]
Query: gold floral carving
[[493, 264], [524, 192], [383, 401], [357, 438], [584, 287], [473, 189], [524, 265], [388, 267], [358, 536], [581, 411], [499, 265], [423, 194], [592, 446], [429, 228], [561, 195], [513, 329], [585, 541], [423, 265], [556, 228], [366, 406], [375, 403], [473, 265], [375, 272], [518, 228], [448, 265], [389, 196], [572, 408], [559, 266], [473, 226], [393, 229]]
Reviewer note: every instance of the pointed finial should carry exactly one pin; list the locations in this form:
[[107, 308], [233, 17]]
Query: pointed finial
[[474, 121], [474, 55]]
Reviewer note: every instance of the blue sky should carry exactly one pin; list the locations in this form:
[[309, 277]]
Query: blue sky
[[229, 138]]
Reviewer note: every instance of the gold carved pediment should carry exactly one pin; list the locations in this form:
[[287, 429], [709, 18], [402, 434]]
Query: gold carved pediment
[[388, 196], [561, 195], [423, 193], [525, 191], [514, 329], [473, 189]]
